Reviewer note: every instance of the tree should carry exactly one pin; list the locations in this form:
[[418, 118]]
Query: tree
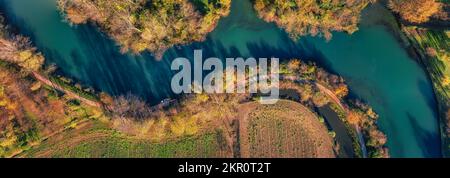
[[294, 65], [377, 138], [341, 90], [319, 99], [130, 106], [416, 11], [354, 118]]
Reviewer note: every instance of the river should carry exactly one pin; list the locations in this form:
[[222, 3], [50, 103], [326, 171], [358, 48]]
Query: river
[[372, 61]]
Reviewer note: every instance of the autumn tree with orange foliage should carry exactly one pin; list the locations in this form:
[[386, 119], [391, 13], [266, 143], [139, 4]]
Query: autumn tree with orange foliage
[[416, 11], [294, 65], [354, 118]]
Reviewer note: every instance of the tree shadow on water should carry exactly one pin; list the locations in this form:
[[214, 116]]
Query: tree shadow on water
[[138, 74], [426, 91], [304, 49], [430, 143]]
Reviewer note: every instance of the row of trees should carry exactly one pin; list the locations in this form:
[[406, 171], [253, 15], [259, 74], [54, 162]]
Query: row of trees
[[310, 71], [190, 115], [17, 49], [364, 117], [155, 25]]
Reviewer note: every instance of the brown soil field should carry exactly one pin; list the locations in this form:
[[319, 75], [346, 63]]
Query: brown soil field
[[285, 129]]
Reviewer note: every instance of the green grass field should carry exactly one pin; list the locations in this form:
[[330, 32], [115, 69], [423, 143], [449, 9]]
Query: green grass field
[[98, 141]]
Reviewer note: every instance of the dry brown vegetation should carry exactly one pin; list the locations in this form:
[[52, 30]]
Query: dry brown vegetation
[[417, 11], [286, 129], [30, 112], [189, 116], [157, 25], [311, 17], [17, 49]]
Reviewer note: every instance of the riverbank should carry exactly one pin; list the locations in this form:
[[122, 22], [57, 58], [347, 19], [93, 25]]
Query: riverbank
[[428, 44], [432, 51]]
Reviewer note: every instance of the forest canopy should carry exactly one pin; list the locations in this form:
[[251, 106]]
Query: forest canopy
[[312, 17], [138, 25], [417, 11]]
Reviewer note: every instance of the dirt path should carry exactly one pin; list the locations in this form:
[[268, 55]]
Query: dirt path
[[332, 96], [68, 92]]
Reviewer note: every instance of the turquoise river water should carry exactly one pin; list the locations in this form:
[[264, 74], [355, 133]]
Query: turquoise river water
[[372, 61]]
